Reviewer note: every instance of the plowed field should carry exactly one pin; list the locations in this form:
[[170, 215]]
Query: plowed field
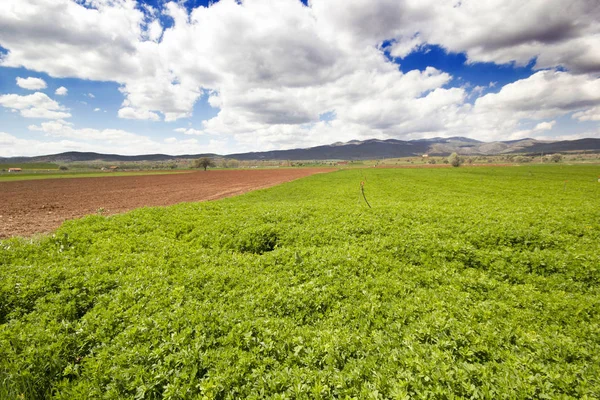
[[40, 206]]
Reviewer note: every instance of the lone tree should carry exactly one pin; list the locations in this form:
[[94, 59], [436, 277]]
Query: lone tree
[[455, 160], [556, 158], [204, 162]]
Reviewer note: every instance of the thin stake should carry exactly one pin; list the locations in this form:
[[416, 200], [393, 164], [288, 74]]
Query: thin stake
[[362, 190]]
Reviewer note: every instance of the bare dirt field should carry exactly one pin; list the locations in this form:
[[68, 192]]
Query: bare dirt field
[[40, 206]]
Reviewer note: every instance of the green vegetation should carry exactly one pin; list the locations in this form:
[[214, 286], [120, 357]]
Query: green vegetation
[[454, 160], [24, 176], [457, 283], [203, 162], [26, 166]]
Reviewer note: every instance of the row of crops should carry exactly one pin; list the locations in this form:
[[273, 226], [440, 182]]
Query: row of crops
[[457, 283]]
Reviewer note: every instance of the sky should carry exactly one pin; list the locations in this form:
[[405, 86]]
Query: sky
[[188, 77]]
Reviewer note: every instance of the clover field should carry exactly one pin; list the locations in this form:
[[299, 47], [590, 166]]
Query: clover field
[[457, 283]]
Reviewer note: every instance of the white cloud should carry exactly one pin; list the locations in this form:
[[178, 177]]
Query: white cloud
[[574, 136], [592, 114], [35, 112], [173, 140], [37, 105], [60, 128], [37, 99], [554, 32], [155, 30], [99, 40], [61, 91], [539, 132], [545, 94], [31, 83], [97, 109], [107, 140], [272, 67], [91, 95], [544, 126], [132, 113], [12, 146], [189, 131], [402, 48]]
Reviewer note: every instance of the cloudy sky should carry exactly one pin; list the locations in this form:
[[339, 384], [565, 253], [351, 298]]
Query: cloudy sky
[[181, 77]]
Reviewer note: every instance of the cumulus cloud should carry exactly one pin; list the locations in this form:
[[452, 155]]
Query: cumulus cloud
[[404, 47], [552, 32], [31, 83], [154, 31], [132, 113], [37, 105], [37, 99], [189, 131], [272, 67], [103, 141], [35, 112], [99, 40], [592, 114], [576, 136], [542, 96], [544, 126], [130, 142], [12, 146], [539, 132], [61, 91], [59, 132], [63, 129], [545, 94]]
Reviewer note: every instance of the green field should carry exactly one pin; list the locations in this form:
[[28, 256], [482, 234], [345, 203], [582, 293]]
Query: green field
[[25, 176], [457, 283], [29, 166]]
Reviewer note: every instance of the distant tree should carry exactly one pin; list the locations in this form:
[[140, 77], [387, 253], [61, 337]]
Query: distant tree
[[63, 168], [203, 162], [233, 163], [455, 160], [556, 158], [522, 159]]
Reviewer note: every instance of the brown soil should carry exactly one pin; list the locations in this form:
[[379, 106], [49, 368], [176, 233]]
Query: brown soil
[[41, 206]]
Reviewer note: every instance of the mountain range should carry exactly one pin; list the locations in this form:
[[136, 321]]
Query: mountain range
[[354, 150]]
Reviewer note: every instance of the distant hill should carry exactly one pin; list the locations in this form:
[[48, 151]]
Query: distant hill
[[353, 150], [76, 156], [564, 146]]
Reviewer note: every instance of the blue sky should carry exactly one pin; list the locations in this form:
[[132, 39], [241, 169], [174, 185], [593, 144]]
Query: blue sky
[[192, 77]]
